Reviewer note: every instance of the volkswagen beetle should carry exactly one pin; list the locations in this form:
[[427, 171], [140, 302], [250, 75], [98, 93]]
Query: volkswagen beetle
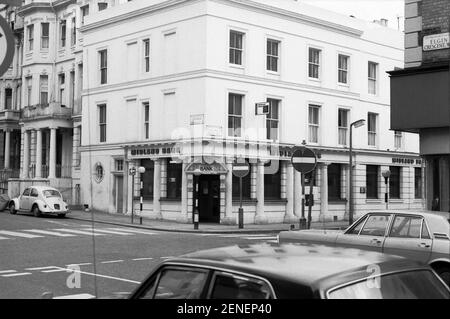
[[39, 200]]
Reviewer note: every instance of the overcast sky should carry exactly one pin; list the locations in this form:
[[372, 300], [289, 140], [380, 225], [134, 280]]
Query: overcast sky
[[366, 9]]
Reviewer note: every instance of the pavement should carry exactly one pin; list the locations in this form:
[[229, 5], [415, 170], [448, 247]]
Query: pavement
[[172, 226]]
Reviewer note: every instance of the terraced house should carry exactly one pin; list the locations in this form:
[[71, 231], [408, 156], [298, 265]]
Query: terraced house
[[171, 86]]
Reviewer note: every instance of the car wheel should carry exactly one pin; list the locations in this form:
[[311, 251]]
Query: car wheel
[[12, 209], [61, 215], [36, 211], [444, 273]]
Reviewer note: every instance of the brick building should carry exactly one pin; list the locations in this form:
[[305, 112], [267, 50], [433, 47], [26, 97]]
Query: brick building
[[420, 93]]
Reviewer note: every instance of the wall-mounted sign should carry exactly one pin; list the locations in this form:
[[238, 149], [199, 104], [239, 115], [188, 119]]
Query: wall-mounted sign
[[408, 161], [154, 151], [436, 42], [197, 119], [6, 46], [206, 169]]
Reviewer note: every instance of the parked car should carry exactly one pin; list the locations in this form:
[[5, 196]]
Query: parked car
[[39, 200], [422, 236], [290, 271]]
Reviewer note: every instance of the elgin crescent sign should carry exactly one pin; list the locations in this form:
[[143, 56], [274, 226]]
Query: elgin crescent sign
[[6, 39], [436, 42]]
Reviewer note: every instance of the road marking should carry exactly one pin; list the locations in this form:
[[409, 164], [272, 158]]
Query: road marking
[[57, 270], [260, 238], [102, 276], [128, 230], [41, 268], [17, 274], [111, 262], [139, 259], [78, 296], [84, 264], [79, 232], [46, 232], [3, 238], [167, 257], [7, 271], [112, 232], [17, 234]]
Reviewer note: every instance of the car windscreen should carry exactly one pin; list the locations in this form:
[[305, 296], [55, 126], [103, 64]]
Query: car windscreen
[[419, 284], [51, 193]]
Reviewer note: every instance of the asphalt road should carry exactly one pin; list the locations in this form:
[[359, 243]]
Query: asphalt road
[[64, 258]]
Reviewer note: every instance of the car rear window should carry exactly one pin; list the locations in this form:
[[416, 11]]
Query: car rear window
[[419, 284]]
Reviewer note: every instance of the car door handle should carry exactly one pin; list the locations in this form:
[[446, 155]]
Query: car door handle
[[424, 245], [376, 241]]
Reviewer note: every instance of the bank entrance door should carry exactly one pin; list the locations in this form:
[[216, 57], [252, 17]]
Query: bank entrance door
[[208, 198]]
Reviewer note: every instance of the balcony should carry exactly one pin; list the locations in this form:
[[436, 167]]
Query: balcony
[[9, 115], [42, 111]]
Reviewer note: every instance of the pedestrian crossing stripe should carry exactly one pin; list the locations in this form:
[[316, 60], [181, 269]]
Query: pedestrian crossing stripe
[[77, 296], [80, 232], [46, 232], [18, 234], [129, 230], [110, 232]]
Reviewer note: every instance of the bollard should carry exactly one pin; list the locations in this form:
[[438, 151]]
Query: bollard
[[195, 218], [241, 218], [303, 223]]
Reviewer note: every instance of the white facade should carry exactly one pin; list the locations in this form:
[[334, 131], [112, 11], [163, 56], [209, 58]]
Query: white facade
[[190, 74]]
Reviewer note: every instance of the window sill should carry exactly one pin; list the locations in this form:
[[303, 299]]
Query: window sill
[[236, 66], [273, 73], [345, 85], [337, 201], [374, 201], [317, 80], [245, 201], [396, 201], [167, 199], [275, 200]]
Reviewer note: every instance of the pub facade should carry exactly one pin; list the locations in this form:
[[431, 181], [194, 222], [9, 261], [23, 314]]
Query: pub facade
[[183, 108]]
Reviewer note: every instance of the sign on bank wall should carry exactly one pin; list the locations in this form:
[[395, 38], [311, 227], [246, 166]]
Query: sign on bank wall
[[436, 42]]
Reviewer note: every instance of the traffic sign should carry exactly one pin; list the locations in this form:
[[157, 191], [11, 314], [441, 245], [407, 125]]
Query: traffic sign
[[6, 46], [241, 169], [304, 160], [132, 171], [262, 108]]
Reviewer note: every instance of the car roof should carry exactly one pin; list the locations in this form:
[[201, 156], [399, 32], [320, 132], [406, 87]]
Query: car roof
[[426, 213], [42, 187], [306, 264]]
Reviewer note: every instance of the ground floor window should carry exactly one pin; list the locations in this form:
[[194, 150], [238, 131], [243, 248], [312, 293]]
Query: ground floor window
[[417, 182], [246, 187], [372, 181], [394, 182], [334, 182], [272, 184], [147, 178], [174, 176]]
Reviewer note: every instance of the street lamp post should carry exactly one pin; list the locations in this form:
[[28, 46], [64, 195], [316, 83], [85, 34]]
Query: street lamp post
[[141, 171], [356, 124]]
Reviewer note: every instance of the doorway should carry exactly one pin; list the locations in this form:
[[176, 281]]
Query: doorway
[[119, 194], [208, 198]]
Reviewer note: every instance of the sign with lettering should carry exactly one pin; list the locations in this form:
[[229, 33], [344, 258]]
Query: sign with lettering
[[206, 169], [197, 119], [154, 151], [408, 161], [436, 42]]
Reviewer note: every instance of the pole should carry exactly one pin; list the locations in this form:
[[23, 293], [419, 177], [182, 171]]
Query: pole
[[141, 201], [132, 198], [386, 194], [311, 200], [241, 210], [350, 195], [303, 219], [196, 217]]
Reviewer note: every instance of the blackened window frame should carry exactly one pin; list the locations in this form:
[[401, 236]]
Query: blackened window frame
[[395, 182], [174, 170], [272, 184], [334, 177], [372, 179], [418, 187], [148, 178], [246, 187]]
